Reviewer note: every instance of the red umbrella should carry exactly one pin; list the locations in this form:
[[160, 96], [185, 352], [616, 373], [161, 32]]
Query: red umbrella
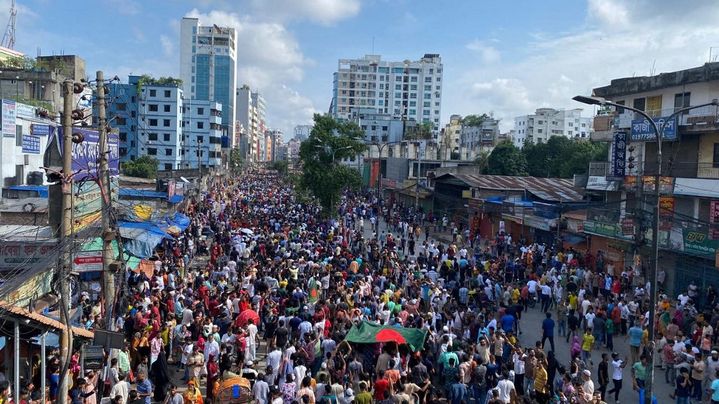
[[246, 316], [390, 335]]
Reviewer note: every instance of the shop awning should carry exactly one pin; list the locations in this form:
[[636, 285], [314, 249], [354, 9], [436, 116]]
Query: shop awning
[[43, 320]]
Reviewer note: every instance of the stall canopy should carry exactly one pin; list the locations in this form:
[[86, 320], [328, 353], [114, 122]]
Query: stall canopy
[[372, 333], [96, 245], [142, 237]]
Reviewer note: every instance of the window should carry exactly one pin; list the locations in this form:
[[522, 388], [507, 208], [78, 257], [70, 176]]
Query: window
[[151, 151], [569, 123], [681, 100], [413, 79], [427, 79], [153, 93], [166, 123], [123, 136], [200, 139], [716, 156], [152, 136], [540, 122], [413, 112], [639, 103], [200, 125], [620, 110], [153, 122], [168, 166], [168, 152], [398, 87], [200, 111], [384, 128], [152, 107], [166, 136], [426, 104], [167, 107], [539, 131], [168, 93]]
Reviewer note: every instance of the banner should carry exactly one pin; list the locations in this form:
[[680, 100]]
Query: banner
[[619, 155], [714, 219], [39, 130], [8, 118], [85, 155], [697, 242], [666, 206], [643, 131], [31, 144]]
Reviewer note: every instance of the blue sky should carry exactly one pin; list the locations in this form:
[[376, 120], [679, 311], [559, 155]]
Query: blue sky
[[502, 57]]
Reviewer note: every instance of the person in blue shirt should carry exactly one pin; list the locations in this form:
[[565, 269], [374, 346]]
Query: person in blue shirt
[[548, 330], [144, 388], [635, 341], [507, 321]]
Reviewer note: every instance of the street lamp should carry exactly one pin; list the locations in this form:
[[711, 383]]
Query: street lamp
[[659, 131]]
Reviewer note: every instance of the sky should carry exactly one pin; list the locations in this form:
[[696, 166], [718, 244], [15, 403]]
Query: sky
[[506, 58]]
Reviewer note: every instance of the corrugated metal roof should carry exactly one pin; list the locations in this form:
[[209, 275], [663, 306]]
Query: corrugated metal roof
[[44, 320], [548, 189]]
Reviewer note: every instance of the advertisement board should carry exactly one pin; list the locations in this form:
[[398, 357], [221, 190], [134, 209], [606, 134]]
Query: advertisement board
[[87, 261], [8, 118], [31, 144], [619, 155], [643, 131], [39, 130], [714, 219], [85, 155]]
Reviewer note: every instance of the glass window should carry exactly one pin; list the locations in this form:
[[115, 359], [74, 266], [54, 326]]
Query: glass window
[[168, 93], [152, 107], [166, 136], [166, 123], [200, 125], [153, 122], [681, 100], [200, 111], [168, 152], [152, 136], [167, 107], [153, 93], [152, 151]]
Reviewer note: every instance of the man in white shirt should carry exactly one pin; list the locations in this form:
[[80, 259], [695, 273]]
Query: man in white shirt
[[506, 389], [121, 388], [261, 390]]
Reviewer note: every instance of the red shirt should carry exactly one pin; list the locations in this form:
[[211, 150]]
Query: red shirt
[[380, 386]]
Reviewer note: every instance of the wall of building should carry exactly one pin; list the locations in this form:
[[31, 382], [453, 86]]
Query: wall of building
[[159, 133]]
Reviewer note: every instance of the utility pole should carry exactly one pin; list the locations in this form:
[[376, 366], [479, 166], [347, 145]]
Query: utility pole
[[66, 239], [419, 171], [108, 277]]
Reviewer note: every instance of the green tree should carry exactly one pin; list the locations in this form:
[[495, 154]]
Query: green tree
[[537, 159], [280, 166], [482, 161], [420, 131], [506, 159], [143, 167], [474, 120], [562, 157], [236, 159], [321, 175]]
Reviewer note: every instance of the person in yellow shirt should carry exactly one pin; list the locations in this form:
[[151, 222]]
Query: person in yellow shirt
[[587, 343], [573, 301], [541, 389]]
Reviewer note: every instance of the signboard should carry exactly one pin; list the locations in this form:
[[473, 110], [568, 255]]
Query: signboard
[[601, 183], [628, 226], [619, 155], [714, 219], [26, 253], [604, 229], [643, 131], [31, 144], [697, 242], [666, 206], [93, 357], [8, 118], [87, 202], [666, 184], [87, 261], [24, 111], [85, 155], [39, 130], [185, 172], [538, 222]]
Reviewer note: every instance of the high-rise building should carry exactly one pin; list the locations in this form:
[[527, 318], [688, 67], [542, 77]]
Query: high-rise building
[[302, 132], [250, 113], [159, 128], [411, 90], [548, 122], [208, 56]]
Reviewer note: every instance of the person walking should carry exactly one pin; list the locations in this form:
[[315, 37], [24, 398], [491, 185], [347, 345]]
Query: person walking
[[603, 374], [548, 330], [617, 375]]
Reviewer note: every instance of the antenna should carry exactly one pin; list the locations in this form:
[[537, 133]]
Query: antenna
[[373, 44], [8, 39], [654, 63]]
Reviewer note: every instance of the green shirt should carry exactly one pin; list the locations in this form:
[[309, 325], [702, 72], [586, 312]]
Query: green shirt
[[640, 371], [363, 398], [123, 362]]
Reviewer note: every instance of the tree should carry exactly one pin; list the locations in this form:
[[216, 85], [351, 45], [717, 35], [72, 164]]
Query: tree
[[475, 120], [420, 131], [280, 166], [562, 157], [143, 167], [506, 159], [321, 175], [482, 161], [236, 159]]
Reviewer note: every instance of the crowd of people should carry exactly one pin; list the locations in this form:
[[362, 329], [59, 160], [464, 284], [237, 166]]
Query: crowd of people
[[263, 286]]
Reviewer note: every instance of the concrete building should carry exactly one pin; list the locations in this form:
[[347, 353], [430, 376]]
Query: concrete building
[[293, 148], [450, 137], [202, 134], [208, 67], [409, 89], [689, 188], [548, 122], [475, 140], [251, 115], [159, 129], [378, 126], [24, 139]]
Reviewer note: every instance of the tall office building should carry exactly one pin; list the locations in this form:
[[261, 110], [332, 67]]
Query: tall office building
[[251, 115], [410, 90], [208, 67]]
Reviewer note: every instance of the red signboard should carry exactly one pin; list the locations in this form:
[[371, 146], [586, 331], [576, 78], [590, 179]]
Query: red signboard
[[714, 219]]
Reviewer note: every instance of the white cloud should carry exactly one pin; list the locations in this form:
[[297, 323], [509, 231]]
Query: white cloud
[[168, 46], [321, 11], [659, 35], [487, 52], [126, 7], [269, 59]]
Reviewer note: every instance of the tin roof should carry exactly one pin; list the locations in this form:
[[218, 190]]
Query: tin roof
[[547, 189], [47, 321]]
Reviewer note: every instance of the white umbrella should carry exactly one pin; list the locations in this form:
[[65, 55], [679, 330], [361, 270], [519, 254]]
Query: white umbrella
[[247, 232]]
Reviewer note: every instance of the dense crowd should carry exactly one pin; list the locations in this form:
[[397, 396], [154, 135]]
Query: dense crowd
[[280, 287]]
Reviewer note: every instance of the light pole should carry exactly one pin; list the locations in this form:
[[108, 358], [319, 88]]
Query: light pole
[[658, 131]]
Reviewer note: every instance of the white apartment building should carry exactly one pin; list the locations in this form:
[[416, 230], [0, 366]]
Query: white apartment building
[[548, 122], [302, 132], [208, 66], [159, 129], [250, 113], [474, 140], [409, 89], [202, 134]]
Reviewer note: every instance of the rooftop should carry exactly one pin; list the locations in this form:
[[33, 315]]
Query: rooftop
[[632, 85], [547, 189]]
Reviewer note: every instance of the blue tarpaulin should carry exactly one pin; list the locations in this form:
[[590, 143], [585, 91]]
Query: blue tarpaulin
[[143, 237], [175, 199], [40, 189], [141, 193]]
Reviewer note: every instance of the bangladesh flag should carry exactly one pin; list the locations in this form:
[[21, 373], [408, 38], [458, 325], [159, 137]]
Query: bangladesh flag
[[373, 333]]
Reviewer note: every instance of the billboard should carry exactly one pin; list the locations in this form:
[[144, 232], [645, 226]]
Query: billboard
[[619, 155], [643, 131], [8, 118], [31, 144], [85, 155]]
